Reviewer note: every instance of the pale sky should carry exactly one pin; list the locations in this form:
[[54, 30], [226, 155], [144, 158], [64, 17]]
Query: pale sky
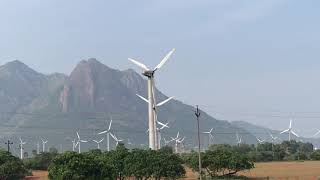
[[240, 60]]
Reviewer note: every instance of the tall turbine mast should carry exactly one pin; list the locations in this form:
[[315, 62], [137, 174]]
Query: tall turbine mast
[[151, 97]]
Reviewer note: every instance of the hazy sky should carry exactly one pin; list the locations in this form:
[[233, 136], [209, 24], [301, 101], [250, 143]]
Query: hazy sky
[[240, 60]]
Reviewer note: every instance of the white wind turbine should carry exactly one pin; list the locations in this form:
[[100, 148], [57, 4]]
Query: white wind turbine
[[73, 144], [180, 142], [157, 136], [21, 148], [210, 136], [44, 142], [149, 73], [176, 139], [98, 142], [290, 131], [160, 130], [79, 142], [108, 135], [116, 139], [239, 139], [273, 138], [260, 141]]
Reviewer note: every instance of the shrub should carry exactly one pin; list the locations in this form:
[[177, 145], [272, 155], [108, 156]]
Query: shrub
[[11, 167]]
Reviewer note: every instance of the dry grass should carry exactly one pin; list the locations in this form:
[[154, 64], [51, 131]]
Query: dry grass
[[308, 170]]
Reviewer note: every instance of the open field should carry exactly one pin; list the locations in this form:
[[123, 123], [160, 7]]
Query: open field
[[38, 175], [308, 170]]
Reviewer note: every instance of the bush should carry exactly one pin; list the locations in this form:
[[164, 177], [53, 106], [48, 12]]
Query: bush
[[40, 161], [315, 155], [11, 167]]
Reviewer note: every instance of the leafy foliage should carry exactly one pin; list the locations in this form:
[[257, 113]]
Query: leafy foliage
[[118, 164], [11, 167], [40, 161]]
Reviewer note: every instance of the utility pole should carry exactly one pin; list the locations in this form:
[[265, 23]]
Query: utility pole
[[9, 143], [197, 113]]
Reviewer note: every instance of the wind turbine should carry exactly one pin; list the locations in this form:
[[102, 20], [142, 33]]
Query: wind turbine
[[73, 144], [290, 131], [176, 139], [44, 142], [160, 130], [158, 145], [108, 135], [260, 141], [21, 148], [180, 141], [149, 73], [273, 138], [116, 139], [79, 142], [210, 136], [98, 142], [239, 140]]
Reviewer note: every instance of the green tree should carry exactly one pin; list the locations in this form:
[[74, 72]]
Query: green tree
[[315, 155], [11, 167], [74, 166]]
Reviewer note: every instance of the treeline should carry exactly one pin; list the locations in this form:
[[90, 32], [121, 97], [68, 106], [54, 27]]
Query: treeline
[[118, 164], [122, 163]]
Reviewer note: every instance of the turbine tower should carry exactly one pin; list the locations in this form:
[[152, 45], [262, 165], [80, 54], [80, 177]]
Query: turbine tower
[[98, 142], [79, 142], [290, 131], [21, 148], [44, 142], [108, 135], [149, 73], [210, 136]]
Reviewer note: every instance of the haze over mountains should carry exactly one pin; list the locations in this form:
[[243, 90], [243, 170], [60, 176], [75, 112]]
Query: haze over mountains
[[54, 106]]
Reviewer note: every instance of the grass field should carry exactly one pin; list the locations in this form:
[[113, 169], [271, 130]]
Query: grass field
[[308, 170]]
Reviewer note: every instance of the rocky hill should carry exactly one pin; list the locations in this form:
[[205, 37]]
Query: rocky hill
[[35, 105]]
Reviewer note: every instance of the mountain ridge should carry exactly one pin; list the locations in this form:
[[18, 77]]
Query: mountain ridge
[[90, 95]]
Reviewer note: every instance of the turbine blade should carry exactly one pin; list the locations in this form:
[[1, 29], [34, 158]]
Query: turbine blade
[[110, 125], [103, 132], [101, 140], [144, 67], [165, 101], [294, 133], [290, 126], [78, 135], [114, 137], [284, 131], [164, 60], [316, 133], [95, 141], [144, 99], [84, 141]]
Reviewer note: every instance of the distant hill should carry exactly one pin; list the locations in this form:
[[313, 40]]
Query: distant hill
[[35, 105]]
